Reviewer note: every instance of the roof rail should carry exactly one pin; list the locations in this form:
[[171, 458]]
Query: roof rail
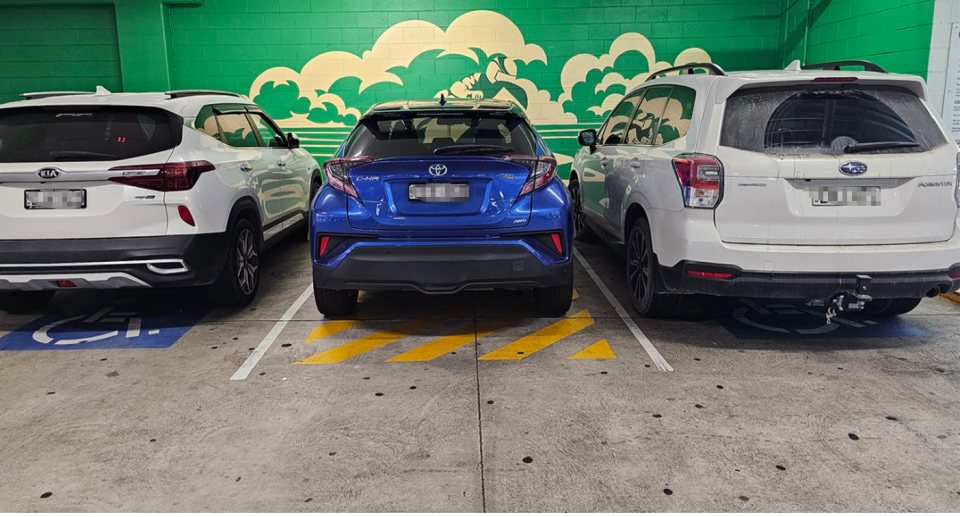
[[178, 94], [43, 95], [711, 69], [835, 65]]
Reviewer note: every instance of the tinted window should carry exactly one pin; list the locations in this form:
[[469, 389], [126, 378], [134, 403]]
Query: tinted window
[[613, 130], [645, 122], [677, 115], [206, 122], [825, 119], [237, 131], [268, 133], [81, 133], [452, 134]]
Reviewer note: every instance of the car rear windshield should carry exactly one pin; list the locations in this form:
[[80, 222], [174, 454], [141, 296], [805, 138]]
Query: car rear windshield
[[85, 133], [818, 119], [441, 134]]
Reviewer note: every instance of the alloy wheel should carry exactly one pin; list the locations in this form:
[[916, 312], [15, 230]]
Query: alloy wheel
[[248, 261], [639, 272], [579, 219]]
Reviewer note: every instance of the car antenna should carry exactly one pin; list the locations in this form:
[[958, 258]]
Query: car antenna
[[443, 100]]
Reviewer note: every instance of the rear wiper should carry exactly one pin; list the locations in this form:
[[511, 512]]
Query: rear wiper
[[472, 148], [68, 155], [876, 146]]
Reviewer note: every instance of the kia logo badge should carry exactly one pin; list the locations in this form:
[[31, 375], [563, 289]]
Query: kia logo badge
[[437, 169], [853, 168], [49, 173]]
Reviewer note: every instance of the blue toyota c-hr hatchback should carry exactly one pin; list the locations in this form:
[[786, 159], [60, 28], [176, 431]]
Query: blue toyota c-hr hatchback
[[439, 197]]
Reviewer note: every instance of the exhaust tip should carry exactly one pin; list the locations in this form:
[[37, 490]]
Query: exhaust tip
[[933, 293]]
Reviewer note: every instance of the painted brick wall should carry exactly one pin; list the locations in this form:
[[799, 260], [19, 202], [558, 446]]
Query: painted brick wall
[[58, 48], [892, 33]]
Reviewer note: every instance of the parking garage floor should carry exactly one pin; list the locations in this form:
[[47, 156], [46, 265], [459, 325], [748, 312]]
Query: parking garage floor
[[153, 401]]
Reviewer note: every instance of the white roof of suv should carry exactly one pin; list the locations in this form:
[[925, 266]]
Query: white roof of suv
[[186, 103]]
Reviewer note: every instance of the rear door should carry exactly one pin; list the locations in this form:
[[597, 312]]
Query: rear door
[[834, 164], [446, 170], [294, 182], [55, 171]]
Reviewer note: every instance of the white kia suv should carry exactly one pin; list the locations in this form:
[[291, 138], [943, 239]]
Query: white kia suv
[[115, 190], [836, 187]]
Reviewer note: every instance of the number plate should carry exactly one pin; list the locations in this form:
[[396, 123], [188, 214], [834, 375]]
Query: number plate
[[439, 192], [55, 199], [845, 196]]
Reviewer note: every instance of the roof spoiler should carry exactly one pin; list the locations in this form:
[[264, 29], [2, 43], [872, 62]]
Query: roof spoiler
[[835, 65], [710, 68], [43, 95], [179, 94]]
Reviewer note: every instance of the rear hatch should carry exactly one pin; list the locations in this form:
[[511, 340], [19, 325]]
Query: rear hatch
[[440, 170], [55, 171], [834, 164]]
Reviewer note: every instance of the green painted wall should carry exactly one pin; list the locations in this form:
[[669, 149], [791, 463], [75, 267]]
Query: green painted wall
[[316, 65], [68, 48], [892, 33]]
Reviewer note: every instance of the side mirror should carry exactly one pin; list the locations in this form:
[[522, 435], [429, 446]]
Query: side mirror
[[293, 141], [588, 138]]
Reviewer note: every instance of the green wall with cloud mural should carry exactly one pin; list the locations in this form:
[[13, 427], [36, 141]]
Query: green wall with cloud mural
[[317, 65]]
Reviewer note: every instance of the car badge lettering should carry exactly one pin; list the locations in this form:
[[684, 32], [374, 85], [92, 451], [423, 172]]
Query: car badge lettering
[[367, 178], [49, 173], [853, 168], [437, 169], [506, 176]]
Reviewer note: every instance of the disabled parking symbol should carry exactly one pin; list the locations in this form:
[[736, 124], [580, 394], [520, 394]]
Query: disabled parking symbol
[[758, 320], [114, 326]]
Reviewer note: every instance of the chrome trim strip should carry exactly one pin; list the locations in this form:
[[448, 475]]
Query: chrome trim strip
[[182, 266]]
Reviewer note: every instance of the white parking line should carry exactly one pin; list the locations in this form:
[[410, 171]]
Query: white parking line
[[267, 342], [655, 356]]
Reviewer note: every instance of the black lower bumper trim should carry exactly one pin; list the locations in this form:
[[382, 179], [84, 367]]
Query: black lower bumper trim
[[807, 286], [204, 254], [441, 269]]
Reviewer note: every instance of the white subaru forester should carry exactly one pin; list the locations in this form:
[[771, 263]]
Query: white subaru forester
[[815, 183], [105, 191]]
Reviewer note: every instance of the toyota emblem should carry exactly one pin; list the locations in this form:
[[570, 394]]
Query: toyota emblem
[[49, 173], [437, 169]]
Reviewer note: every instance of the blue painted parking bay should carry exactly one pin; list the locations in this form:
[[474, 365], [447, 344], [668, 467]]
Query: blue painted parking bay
[[112, 326]]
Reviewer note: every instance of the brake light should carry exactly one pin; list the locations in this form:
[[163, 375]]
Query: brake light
[[709, 274], [337, 171], [167, 177], [186, 216], [542, 170], [701, 179], [835, 80]]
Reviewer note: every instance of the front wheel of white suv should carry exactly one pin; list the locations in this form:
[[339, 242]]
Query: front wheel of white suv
[[641, 276], [240, 278]]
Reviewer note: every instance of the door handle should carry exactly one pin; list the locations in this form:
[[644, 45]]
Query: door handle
[[635, 163], [604, 162], [245, 167], [281, 163]]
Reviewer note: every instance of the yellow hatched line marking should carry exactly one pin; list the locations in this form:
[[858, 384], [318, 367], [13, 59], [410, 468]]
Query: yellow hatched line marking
[[329, 329], [368, 343], [461, 337], [599, 350], [541, 338]]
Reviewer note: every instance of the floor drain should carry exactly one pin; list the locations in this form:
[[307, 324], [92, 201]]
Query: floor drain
[[527, 459], [719, 387], [657, 416], [744, 498], [152, 440], [667, 491], [853, 436], [698, 406], [892, 418], [51, 392], [781, 467], [413, 387], [46, 495], [603, 373], [489, 402], [378, 394], [286, 345], [333, 454]]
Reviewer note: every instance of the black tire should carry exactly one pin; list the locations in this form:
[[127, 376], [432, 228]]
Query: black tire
[[581, 231], [334, 303], [239, 281], [556, 300], [891, 307], [24, 301], [642, 279], [314, 188]]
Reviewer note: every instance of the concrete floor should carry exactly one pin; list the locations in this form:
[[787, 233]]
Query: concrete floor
[[406, 409]]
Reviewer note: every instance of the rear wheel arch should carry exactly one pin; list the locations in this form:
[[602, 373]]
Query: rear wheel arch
[[246, 208], [633, 213]]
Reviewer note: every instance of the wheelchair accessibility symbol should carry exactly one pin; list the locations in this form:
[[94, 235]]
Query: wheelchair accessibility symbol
[[776, 319], [114, 326]]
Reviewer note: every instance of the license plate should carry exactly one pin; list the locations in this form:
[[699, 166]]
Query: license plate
[[439, 192], [55, 199], [845, 196]]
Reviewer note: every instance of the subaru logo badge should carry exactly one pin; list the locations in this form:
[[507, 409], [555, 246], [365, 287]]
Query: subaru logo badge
[[49, 173], [437, 169], [853, 168]]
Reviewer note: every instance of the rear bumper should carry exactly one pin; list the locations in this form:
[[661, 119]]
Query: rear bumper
[[808, 286], [440, 269], [167, 261]]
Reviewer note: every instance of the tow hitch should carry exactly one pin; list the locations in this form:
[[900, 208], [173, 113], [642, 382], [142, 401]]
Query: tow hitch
[[846, 300]]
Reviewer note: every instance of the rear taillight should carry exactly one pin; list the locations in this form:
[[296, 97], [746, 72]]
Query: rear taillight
[[542, 170], [337, 171], [167, 177], [701, 179]]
